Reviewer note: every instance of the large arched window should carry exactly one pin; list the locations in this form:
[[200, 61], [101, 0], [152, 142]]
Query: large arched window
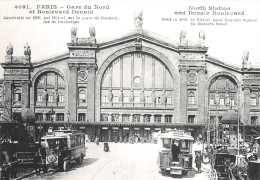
[[223, 91], [82, 96], [139, 77], [50, 89]]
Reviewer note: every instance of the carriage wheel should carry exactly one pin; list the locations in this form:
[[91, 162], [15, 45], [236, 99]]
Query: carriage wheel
[[65, 166]]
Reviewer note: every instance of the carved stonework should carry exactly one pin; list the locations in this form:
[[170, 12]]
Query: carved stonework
[[92, 66], [7, 83], [138, 19], [27, 50], [73, 66], [202, 38], [192, 78], [17, 71], [138, 44], [9, 50], [183, 68], [82, 75], [25, 83], [246, 87], [83, 53], [191, 56]]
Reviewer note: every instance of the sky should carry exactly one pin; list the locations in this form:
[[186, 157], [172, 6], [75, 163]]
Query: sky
[[225, 42]]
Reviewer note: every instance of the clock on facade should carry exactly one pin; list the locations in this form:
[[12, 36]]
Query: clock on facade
[[137, 81]]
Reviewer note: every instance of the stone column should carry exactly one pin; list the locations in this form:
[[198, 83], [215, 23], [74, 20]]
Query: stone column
[[55, 117], [120, 118], [163, 118], [91, 92], [141, 132], [73, 91], [201, 95], [141, 118], [109, 117], [109, 134], [131, 118], [44, 116], [25, 94], [246, 104], [152, 118], [8, 90], [120, 133], [183, 94]]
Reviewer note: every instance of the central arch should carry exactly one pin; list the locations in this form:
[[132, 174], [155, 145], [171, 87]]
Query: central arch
[[132, 49]]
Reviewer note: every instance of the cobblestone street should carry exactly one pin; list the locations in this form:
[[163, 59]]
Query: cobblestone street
[[123, 162]]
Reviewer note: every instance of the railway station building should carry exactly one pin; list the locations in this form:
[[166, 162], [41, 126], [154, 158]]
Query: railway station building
[[132, 86]]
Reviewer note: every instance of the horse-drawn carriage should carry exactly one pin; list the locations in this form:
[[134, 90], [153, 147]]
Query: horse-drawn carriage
[[183, 163]]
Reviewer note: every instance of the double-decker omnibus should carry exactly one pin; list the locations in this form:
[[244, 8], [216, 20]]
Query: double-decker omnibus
[[63, 147], [166, 162]]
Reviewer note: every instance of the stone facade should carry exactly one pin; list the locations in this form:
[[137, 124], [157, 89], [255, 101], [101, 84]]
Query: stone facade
[[131, 86]]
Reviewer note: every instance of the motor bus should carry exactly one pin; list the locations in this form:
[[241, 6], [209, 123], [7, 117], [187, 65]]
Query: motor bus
[[184, 141], [63, 147]]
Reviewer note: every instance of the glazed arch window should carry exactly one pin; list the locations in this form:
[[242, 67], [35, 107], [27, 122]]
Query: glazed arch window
[[39, 98]]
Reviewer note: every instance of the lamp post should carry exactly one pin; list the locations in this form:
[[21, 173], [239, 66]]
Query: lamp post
[[216, 122], [68, 115], [52, 112]]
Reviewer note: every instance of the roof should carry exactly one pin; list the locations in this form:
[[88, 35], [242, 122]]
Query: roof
[[229, 117], [175, 134]]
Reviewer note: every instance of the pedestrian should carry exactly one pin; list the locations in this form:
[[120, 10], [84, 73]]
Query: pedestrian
[[37, 163], [198, 161], [106, 147], [97, 141]]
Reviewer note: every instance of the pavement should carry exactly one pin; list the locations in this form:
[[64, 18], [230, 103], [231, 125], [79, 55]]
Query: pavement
[[96, 152]]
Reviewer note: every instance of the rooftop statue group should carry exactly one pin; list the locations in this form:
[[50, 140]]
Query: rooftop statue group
[[89, 41], [138, 19]]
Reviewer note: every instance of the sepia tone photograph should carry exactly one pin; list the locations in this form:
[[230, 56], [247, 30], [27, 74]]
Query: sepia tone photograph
[[94, 90]]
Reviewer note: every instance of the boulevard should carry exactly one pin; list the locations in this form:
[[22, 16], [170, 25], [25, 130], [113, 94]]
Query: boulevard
[[123, 162]]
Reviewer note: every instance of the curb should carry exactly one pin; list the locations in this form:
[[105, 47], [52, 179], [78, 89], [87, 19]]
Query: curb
[[26, 175]]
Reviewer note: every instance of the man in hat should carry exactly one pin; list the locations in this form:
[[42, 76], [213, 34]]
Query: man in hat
[[198, 161]]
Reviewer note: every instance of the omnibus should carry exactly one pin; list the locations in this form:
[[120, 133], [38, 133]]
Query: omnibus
[[184, 141], [63, 147]]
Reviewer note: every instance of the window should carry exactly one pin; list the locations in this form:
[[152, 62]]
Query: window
[[253, 99], [136, 117], [104, 99], [126, 99], [254, 120], [115, 117], [147, 99], [168, 119], [82, 96], [126, 117], [211, 101], [157, 100], [50, 98], [232, 102], [82, 117], [17, 95], [147, 118], [169, 100], [61, 98], [191, 118], [115, 99], [104, 117], [39, 98], [39, 116], [157, 118], [60, 117], [191, 98], [222, 102], [48, 117], [137, 99]]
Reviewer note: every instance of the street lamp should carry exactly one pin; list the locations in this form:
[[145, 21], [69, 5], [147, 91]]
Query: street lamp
[[52, 112], [68, 115], [216, 122]]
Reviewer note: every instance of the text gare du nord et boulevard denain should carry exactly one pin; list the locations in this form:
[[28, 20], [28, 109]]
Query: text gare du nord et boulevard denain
[[211, 10], [70, 9]]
